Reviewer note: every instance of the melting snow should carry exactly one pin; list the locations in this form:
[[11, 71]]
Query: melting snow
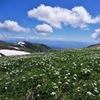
[[7, 52], [21, 42], [16, 48]]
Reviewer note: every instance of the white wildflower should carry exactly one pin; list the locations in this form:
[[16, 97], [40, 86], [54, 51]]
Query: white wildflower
[[6, 88], [59, 82], [89, 93], [38, 85], [96, 90], [53, 93], [57, 73], [55, 87], [66, 83], [81, 64], [31, 77]]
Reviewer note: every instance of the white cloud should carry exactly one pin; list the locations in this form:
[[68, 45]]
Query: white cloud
[[43, 29], [13, 26], [96, 34], [56, 16]]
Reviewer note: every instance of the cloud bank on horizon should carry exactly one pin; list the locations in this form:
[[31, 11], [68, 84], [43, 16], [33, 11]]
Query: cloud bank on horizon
[[54, 18]]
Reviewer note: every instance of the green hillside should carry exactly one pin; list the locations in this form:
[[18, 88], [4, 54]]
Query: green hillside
[[28, 46], [37, 47], [4, 45], [72, 74]]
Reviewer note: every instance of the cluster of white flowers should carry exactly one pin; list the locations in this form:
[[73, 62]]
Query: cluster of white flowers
[[90, 93]]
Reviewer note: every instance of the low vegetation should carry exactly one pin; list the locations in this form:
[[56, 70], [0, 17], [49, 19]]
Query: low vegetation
[[72, 74]]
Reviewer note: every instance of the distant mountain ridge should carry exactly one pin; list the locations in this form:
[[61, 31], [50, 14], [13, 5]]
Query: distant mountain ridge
[[24, 46], [58, 44]]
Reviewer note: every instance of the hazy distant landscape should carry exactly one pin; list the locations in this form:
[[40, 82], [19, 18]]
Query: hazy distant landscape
[[59, 44]]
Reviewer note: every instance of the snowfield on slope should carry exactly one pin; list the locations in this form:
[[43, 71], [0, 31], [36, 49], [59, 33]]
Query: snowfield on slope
[[7, 52]]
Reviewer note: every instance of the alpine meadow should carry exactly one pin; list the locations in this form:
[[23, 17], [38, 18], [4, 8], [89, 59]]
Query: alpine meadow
[[69, 74]]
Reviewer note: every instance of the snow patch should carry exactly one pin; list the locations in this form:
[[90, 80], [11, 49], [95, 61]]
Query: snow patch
[[7, 52], [21, 43], [16, 48]]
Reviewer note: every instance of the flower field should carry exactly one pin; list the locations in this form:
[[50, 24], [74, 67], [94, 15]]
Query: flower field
[[72, 74]]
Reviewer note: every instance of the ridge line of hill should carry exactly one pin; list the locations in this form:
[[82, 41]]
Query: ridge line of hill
[[25, 46]]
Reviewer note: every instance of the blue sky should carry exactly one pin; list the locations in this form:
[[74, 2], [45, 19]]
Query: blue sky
[[64, 20]]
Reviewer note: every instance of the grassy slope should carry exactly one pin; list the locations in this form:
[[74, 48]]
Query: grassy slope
[[56, 75], [94, 46], [4, 45]]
